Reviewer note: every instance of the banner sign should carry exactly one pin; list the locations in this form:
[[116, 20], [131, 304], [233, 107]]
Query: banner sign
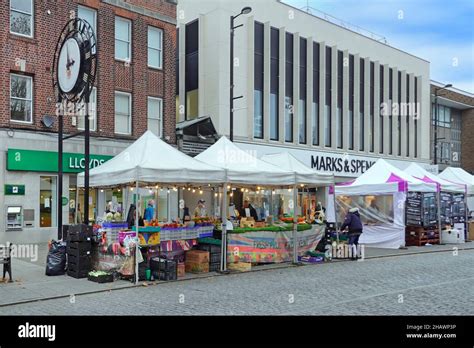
[[271, 247]]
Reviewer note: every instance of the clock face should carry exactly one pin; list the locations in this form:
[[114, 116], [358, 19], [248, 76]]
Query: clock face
[[69, 64]]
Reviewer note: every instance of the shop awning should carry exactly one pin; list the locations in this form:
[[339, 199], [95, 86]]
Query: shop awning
[[459, 176], [244, 168], [384, 178], [150, 160], [443, 185], [304, 174]]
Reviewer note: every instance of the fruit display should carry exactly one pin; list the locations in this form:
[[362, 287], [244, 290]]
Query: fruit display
[[113, 216]]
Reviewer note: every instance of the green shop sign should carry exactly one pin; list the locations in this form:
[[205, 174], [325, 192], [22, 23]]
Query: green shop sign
[[47, 161], [14, 190]]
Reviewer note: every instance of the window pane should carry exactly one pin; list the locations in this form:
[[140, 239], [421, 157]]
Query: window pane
[[121, 29], [121, 50], [122, 124], [92, 112], [351, 129], [47, 201], [154, 126], [154, 108], [315, 116], [88, 15], [327, 125], [154, 38], [258, 115], [273, 116], [122, 104], [20, 110], [288, 119], [20, 87], [361, 131], [302, 121], [21, 5], [154, 57], [20, 23]]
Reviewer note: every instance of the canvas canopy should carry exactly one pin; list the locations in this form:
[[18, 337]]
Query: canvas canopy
[[459, 176], [443, 185], [384, 178], [304, 174], [242, 167], [150, 160]]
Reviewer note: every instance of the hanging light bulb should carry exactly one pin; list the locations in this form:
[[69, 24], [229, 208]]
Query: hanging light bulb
[[258, 188], [289, 190], [161, 189], [232, 194], [156, 187], [151, 191], [228, 187], [118, 190], [189, 188], [209, 185], [175, 189], [246, 190], [200, 192], [273, 192], [302, 185], [242, 189], [194, 190], [168, 190], [101, 190], [215, 194], [131, 188]]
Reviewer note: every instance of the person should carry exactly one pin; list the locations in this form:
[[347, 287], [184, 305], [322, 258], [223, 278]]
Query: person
[[320, 212], [131, 216], [200, 210], [253, 211], [149, 211], [353, 222]]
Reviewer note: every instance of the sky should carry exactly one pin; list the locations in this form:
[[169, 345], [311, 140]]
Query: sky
[[440, 31]]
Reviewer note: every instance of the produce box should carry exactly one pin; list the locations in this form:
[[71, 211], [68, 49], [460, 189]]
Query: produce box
[[100, 277], [123, 234], [259, 224], [247, 222], [196, 267], [181, 269], [471, 231], [240, 266], [197, 256]]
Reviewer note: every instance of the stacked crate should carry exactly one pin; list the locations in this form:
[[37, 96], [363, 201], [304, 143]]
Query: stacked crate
[[214, 256], [163, 269], [197, 261], [419, 236], [78, 250]]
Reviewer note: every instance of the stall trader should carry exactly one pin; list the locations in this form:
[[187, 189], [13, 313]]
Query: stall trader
[[253, 212], [200, 210]]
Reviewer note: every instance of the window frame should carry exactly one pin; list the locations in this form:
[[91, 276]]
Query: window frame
[[118, 18], [161, 31], [160, 117], [32, 14], [18, 98], [130, 115]]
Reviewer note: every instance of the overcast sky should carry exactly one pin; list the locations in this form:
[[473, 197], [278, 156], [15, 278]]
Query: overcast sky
[[439, 31]]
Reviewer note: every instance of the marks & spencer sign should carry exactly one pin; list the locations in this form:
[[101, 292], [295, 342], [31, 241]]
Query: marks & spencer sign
[[47, 161], [340, 165]]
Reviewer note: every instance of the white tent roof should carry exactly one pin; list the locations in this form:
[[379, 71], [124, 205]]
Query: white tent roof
[[150, 160], [304, 174], [422, 174], [243, 168], [383, 178], [459, 176]]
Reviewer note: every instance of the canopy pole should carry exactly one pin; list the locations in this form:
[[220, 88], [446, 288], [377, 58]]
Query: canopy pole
[[466, 215], [137, 249], [439, 215], [295, 224], [335, 213], [224, 209]]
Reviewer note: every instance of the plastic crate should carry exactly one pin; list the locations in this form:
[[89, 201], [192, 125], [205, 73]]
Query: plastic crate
[[214, 257], [215, 267], [209, 247]]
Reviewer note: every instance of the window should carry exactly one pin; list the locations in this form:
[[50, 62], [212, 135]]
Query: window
[[90, 16], [361, 105], [372, 102], [123, 39], [21, 17], [327, 108], [416, 118], [274, 82], [155, 116], [302, 101], [315, 113], [21, 98], [408, 114], [339, 125], [390, 121], [192, 69], [123, 113], [399, 122], [47, 201], [92, 112], [155, 48], [351, 103], [289, 88], [381, 82], [258, 82]]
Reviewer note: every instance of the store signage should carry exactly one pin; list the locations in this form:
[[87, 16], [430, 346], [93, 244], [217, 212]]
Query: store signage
[[47, 161], [14, 190], [339, 165], [64, 201]]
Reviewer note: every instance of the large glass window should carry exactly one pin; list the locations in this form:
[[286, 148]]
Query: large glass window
[[408, 114], [361, 105], [123, 113], [21, 17], [381, 116], [416, 117], [123, 39], [48, 201], [327, 108], [372, 102], [289, 88], [89, 15], [339, 125], [315, 112], [92, 112], [399, 118], [302, 101], [155, 116], [258, 81], [274, 82], [192, 69], [390, 120], [351, 103], [21, 98], [155, 48]]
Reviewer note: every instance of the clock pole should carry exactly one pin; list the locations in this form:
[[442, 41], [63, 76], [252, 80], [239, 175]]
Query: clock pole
[[87, 159], [59, 198]]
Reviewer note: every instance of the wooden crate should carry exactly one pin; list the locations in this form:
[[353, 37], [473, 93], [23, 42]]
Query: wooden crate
[[240, 266]]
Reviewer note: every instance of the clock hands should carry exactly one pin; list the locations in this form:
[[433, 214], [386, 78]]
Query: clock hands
[[69, 62]]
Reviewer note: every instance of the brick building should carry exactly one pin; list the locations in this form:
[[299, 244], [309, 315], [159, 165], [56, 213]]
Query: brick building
[[455, 124], [134, 91]]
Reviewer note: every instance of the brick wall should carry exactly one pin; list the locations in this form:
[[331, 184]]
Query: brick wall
[[467, 142], [112, 75]]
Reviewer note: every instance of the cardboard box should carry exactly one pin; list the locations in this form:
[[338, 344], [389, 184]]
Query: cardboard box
[[196, 267], [181, 269], [470, 234], [247, 222], [240, 266], [197, 256]]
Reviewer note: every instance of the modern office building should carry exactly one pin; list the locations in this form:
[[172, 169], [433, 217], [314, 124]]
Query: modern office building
[[455, 115], [135, 87], [336, 99]]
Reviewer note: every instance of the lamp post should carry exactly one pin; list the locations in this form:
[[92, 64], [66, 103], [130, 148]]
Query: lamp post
[[245, 10], [435, 156]]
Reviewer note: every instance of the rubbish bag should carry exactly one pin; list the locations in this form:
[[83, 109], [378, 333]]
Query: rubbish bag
[[56, 261]]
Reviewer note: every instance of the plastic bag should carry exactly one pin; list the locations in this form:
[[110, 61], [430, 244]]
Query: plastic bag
[[56, 260]]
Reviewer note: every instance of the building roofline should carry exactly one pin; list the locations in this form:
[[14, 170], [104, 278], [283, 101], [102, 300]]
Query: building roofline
[[452, 89], [352, 31]]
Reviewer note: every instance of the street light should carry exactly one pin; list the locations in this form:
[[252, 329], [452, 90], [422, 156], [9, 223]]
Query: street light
[[244, 11], [435, 157]]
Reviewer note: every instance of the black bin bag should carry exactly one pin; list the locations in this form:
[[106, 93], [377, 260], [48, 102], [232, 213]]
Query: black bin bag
[[56, 261]]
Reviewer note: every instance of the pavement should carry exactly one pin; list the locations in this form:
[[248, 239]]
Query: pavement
[[31, 284], [417, 284]]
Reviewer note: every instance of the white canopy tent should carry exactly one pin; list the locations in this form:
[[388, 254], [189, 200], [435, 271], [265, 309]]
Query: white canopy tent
[[443, 185], [383, 179], [150, 160], [460, 177]]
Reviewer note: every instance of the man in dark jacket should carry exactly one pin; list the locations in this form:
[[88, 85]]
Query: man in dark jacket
[[353, 222]]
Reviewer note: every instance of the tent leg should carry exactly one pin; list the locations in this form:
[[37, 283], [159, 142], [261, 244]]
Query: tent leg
[[224, 229], [439, 215], [335, 214], [295, 224], [137, 249]]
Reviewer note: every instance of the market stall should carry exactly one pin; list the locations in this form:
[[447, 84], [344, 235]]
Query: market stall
[[381, 194], [145, 165], [245, 234]]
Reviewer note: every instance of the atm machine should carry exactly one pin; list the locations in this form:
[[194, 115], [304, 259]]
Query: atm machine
[[14, 217]]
